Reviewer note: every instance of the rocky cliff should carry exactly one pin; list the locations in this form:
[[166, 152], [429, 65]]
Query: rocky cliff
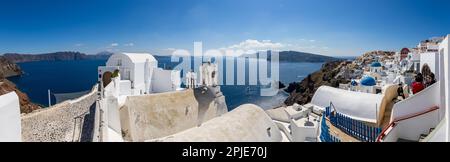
[[26, 106], [8, 68], [331, 74]]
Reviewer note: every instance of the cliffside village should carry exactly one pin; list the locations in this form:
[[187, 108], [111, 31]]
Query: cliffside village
[[384, 97]]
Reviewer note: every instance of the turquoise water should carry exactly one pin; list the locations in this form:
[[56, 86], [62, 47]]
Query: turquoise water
[[76, 76]]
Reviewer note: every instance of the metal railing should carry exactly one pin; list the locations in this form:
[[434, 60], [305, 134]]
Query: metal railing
[[352, 127], [325, 135]]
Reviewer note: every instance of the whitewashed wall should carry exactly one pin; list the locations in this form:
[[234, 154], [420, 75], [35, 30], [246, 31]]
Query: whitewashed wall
[[432, 60], [165, 80], [358, 105], [125, 87], [412, 128], [444, 51], [10, 124]]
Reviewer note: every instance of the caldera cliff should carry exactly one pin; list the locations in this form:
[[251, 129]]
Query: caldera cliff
[[331, 74], [8, 69]]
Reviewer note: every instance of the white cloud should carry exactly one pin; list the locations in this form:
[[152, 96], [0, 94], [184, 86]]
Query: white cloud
[[112, 50], [255, 45], [114, 44], [79, 44], [312, 40], [170, 49], [129, 44]]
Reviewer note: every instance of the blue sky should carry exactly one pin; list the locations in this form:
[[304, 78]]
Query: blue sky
[[330, 27]]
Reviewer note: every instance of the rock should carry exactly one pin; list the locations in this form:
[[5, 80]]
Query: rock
[[281, 85], [302, 92], [8, 68]]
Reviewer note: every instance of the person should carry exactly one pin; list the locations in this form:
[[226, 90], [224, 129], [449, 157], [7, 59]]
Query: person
[[418, 85], [430, 80], [406, 91], [400, 91]]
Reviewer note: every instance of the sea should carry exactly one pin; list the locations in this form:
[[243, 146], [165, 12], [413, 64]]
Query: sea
[[66, 77]]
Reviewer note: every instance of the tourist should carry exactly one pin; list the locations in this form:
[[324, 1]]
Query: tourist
[[400, 91], [418, 85], [406, 91], [430, 80]]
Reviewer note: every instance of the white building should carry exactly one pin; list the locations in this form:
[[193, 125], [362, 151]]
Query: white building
[[139, 74], [209, 74], [430, 45], [165, 80], [430, 59], [191, 80], [414, 61], [367, 84], [375, 67], [444, 55]]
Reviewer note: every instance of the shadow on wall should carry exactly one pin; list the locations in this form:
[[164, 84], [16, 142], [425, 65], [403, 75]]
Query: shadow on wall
[[152, 116], [205, 97], [246, 123]]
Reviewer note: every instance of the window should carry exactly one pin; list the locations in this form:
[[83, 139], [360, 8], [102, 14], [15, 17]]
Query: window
[[119, 62]]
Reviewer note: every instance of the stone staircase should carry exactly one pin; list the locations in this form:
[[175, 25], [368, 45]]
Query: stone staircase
[[423, 136]]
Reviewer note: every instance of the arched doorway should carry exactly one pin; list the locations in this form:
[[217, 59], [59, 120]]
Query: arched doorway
[[106, 78]]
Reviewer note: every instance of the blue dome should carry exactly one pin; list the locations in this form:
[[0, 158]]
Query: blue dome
[[354, 83], [368, 81], [375, 64]]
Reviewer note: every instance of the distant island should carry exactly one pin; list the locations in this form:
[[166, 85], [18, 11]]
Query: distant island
[[295, 56], [55, 56], [284, 56]]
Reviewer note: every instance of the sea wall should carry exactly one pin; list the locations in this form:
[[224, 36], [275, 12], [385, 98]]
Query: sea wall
[[246, 123], [152, 116], [69, 121]]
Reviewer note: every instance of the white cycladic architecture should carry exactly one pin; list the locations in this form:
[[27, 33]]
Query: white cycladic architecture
[[165, 80], [139, 74], [358, 105], [209, 74], [10, 123], [135, 67], [304, 129], [414, 60], [444, 50], [375, 67], [191, 80]]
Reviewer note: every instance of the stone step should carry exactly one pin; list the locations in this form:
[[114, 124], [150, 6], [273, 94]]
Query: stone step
[[405, 140]]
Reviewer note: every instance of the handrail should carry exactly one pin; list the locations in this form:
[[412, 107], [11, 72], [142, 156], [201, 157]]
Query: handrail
[[406, 117]]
